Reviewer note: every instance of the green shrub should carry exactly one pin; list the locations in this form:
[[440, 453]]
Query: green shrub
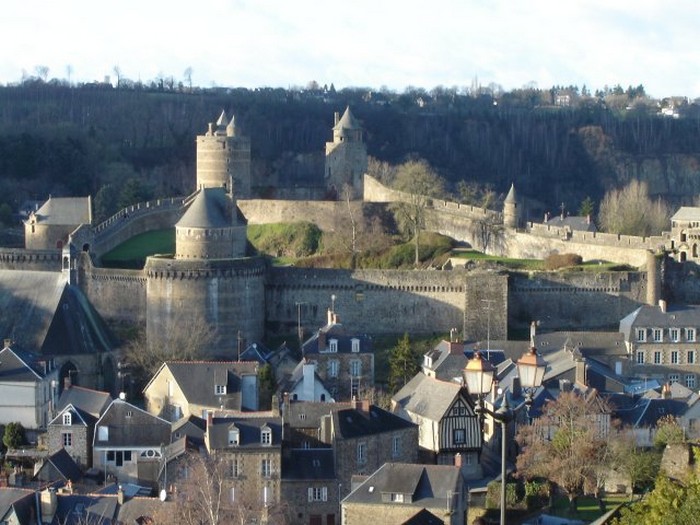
[[14, 435], [514, 495], [562, 260], [294, 240]]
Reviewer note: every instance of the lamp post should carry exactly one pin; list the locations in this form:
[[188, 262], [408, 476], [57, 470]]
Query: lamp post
[[478, 376]]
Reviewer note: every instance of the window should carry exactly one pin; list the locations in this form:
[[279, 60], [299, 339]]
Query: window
[[266, 436], [396, 446], [690, 357], [396, 498], [690, 380], [333, 368], [232, 494], [640, 357], [674, 378], [641, 335], [219, 390], [459, 436], [355, 368], [67, 439], [674, 357], [234, 436], [673, 334], [266, 468], [102, 433], [658, 335], [333, 345], [355, 345], [318, 494], [690, 334], [362, 453], [657, 357], [129, 413], [234, 468], [67, 418]]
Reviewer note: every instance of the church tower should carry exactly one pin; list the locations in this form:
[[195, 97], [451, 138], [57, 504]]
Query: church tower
[[223, 158], [346, 156], [510, 209]]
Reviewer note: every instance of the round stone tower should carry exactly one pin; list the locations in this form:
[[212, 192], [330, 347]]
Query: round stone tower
[[346, 156], [223, 158], [211, 228], [510, 209]]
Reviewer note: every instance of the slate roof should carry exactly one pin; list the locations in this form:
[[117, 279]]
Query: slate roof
[[428, 484], [65, 211], [131, 426], [104, 509], [647, 411], [87, 400], [17, 367], [308, 464], [687, 213], [211, 208], [574, 222], [196, 379], [647, 316], [427, 397], [590, 343], [250, 429], [21, 500], [351, 423], [78, 417], [64, 464], [424, 517], [308, 414], [344, 337], [42, 314]]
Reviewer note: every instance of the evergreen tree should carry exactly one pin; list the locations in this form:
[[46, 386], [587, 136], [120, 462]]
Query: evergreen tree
[[404, 363], [14, 435]]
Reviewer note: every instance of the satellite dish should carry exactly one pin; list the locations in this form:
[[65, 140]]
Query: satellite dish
[[163, 495]]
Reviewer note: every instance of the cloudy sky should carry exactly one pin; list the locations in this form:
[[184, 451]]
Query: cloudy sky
[[360, 43]]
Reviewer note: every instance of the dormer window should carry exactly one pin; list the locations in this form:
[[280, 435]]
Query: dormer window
[[67, 418], [355, 344], [641, 335], [658, 335], [266, 436], [333, 345], [234, 436], [673, 334], [690, 334], [220, 390]]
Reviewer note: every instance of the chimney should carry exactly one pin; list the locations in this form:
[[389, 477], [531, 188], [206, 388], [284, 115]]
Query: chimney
[[453, 335], [581, 378], [210, 419], [49, 504], [588, 218], [662, 305], [494, 389], [308, 383], [546, 217], [8, 342], [336, 118], [364, 407], [458, 460], [666, 391], [211, 129], [515, 387], [565, 385], [533, 332], [67, 383], [321, 341], [120, 495]]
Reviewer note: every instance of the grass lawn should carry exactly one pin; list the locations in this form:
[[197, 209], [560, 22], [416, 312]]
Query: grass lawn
[[588, 509], [133, 253]]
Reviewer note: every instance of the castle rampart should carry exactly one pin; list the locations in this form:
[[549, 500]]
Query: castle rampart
[[38, 260]]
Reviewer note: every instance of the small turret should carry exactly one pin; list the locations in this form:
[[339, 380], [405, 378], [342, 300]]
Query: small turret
[[510, 209]]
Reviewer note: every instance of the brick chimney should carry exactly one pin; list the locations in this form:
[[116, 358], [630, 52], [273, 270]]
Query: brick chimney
[[120, 495], [458, 460], [321, 341], [666, 391]]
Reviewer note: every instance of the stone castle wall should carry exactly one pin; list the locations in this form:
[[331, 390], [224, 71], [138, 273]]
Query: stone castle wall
[[37, 260], [323, 214]]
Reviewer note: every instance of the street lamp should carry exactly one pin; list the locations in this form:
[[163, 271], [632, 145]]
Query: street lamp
[[478, 376]]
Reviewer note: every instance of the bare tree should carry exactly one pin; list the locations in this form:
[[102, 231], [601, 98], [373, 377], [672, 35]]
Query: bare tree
[[118, 74], [42, 72], [421, 184], [485, 230], [380, 170], [630, 211], [188, 77]]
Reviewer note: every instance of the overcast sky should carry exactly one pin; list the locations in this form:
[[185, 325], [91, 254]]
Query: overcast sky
[[360, 43]]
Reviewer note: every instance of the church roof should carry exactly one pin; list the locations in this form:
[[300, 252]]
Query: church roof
[[347, 121], [65, 210], [210, 209]]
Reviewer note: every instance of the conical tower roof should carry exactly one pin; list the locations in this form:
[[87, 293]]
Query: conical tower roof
[[347, 121], [208, 210], [510, 198], [223, 120]]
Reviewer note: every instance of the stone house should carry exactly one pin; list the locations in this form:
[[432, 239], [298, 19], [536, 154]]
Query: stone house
[[662, 342], [396, 492], [685, 233], [131, 444], [251, 447], [309, 480], [73, 426], [364, 437], [444, 413], [304, 384], [344, 360], [27, 388], [183, 388], [48, 227]]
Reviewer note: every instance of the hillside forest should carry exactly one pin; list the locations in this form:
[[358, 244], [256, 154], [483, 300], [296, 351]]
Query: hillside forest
[[561, 147]]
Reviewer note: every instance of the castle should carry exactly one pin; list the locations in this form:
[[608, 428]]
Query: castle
[[211, 280]]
